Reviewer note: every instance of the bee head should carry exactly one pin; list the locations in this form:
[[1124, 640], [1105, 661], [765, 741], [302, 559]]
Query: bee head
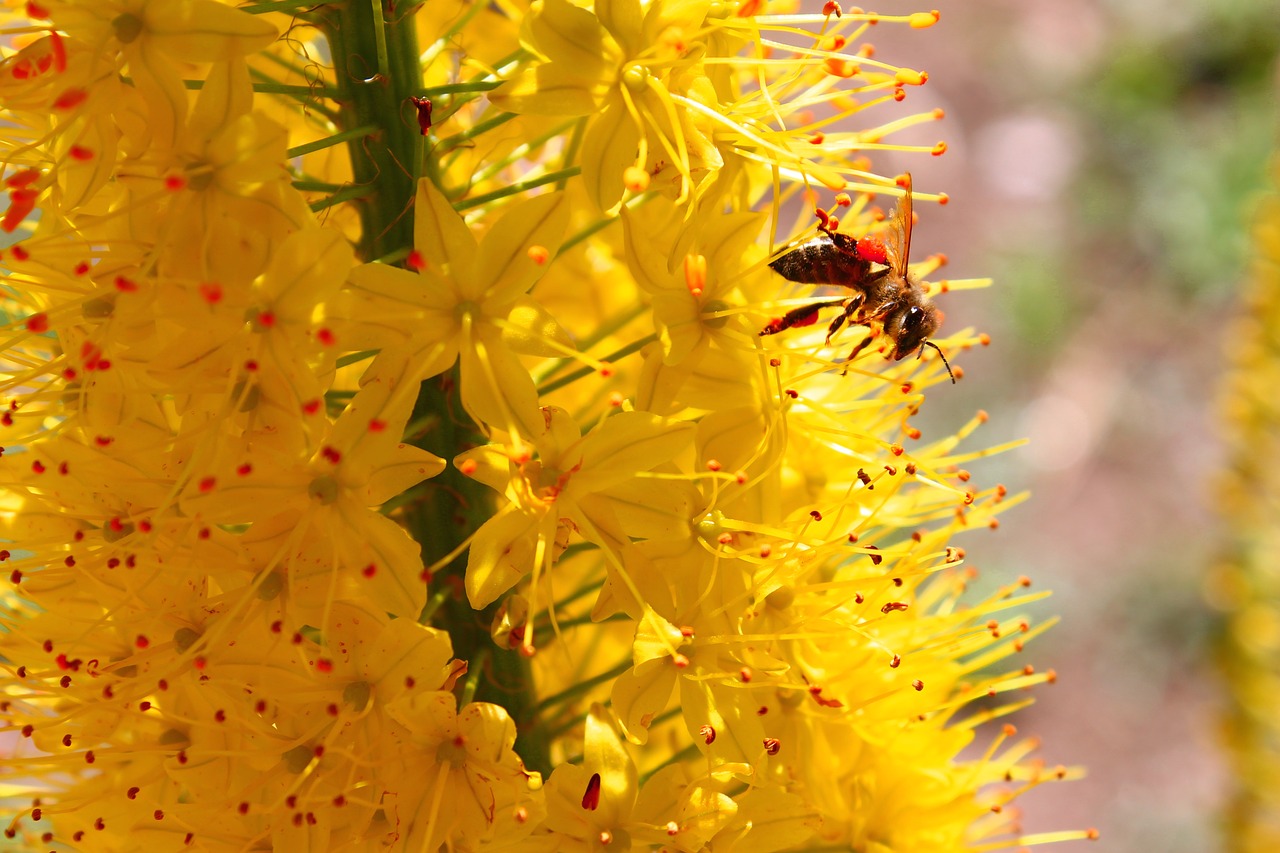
[[909, 326]]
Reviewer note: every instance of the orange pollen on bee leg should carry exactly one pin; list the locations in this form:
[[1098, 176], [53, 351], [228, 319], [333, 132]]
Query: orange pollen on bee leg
[[539, 254], [695, 273]]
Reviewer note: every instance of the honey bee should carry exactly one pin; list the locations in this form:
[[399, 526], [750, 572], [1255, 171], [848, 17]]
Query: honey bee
[[886, 298]]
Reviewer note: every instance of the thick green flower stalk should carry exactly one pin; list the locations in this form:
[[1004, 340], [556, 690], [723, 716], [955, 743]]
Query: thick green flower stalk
[[394, 461], [1246, 585]]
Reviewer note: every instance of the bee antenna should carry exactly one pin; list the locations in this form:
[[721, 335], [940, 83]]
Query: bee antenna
[[941, 355]]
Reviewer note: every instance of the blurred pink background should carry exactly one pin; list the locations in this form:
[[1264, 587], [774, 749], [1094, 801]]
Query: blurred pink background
[[1102, 157]]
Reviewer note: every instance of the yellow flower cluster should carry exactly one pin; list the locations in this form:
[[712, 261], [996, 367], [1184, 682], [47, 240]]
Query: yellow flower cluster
[[1245, 586], [354, 487]]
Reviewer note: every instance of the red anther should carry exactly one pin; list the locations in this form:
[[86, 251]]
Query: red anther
[[765, 551], [792, 393], [895, 662], [324, 665], [82, 268], [70, 98], [838, 66], [606, 370], [423, 108], [141, 641], [708, 734], [833, 223], [616, 399], [415, 261], [740, 478], [125, 285], [377, 425], [876, 559], [776, 362], [37, 467], [173, 183], [713, 465], [312, 406], [79, 152], [815, 515], [1024, 581], [894, 605], [331, 454], [37, 323], [539, 254], [15, 577], [244, 470], [918, 684], [939, 149], [19, 252], [591, 796], [772, 745], [994, 524], [468, 467], [199, 662], [207, 484], [831, 7], [899, 94], [326, 337], [817, 138], [744, 675], [943, 198]]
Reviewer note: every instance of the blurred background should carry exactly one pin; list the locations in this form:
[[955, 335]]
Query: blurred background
[[1103, 159]]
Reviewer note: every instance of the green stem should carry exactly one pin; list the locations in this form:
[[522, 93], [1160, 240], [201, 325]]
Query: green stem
[[376, 72]]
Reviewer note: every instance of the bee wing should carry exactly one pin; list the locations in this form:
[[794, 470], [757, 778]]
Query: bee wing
[[897, 242]]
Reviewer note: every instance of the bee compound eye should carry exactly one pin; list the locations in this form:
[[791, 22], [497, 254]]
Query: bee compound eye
[[914, 317]]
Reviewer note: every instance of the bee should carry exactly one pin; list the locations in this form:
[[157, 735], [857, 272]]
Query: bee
[[886, 298]]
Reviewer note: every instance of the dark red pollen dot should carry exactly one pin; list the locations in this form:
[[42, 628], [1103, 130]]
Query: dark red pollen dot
[[162, 684], [78, 835], [22, 672], [918, 684], [158, 814], [311, 406], [772, 745], [77, 536], [108, 693], [173, 183], [876, 559], [89, 757], [260, 706], [4, 554], [277, 626], [63, 468], [815, 515], [199, 662], [369, 570], [66, 740], [415, 261], [141, 641], [204, 533], [244, 469], [125, 285], [47, 645], [82, 268], [182, 756], [376, 425], [132, 793], [188, 838], [792, 393], [296, 639], [207, 484], [15, 576], [220, 716], [744, 675], [339, 801], [10, 832], [325, 337], [297, 819], [144, 705], [318, 752], [19, 253], [211, 292], [331, 454], [243, 808], [251, 366], [591, 797], [68, 373], [266, 319], [409, 682], [27, 730], [37, 323], [291, 801], [79, 152], [324, 665], [332, 709]]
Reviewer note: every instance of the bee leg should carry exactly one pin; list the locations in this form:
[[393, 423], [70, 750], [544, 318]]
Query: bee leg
[[854, 353], [850, 307], [805, 315]]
